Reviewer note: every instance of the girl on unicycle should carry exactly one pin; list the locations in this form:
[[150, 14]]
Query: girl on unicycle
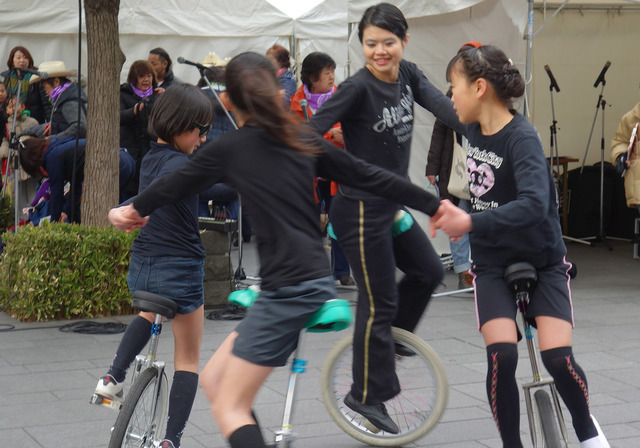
[[514, 218], [167, 256], [271, 161]]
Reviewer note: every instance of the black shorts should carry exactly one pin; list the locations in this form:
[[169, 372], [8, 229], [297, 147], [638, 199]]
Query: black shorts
[[551, 296], [269, 332]]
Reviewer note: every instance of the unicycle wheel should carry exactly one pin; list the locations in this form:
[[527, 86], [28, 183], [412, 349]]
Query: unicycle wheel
[[416, 410], [138, 423]]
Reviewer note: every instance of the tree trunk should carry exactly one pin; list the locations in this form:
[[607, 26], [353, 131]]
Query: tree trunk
[[105, 60]]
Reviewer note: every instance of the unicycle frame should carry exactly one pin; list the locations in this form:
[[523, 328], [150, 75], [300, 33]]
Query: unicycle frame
[[522, 299], [148, 434], [150, 360]]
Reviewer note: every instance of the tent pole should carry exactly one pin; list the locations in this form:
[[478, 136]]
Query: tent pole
[[527, 70]]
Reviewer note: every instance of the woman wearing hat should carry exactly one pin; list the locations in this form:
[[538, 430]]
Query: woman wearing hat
[[64, 100], [32, 95]]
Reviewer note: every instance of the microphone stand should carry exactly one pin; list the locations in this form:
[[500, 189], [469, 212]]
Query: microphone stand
[[554, 158], [601, 236], [239, 273]]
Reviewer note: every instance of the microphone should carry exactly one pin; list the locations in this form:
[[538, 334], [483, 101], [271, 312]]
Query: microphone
[[304, 104], [601, 75], [199, 66], [554, 84], [42, 75]]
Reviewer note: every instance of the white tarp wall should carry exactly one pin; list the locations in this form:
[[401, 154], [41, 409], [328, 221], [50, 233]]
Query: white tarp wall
[[187, 28], [576, 45]]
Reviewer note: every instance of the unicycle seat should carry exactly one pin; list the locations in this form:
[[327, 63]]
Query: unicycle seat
[[154, 303], [333, 315], [521, 277]]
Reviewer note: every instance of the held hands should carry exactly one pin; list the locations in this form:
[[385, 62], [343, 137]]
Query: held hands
[[126, 218], [336, 135], [451, 220]]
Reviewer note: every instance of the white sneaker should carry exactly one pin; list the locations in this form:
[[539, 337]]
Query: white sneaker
[[600, 441], [109, 387]]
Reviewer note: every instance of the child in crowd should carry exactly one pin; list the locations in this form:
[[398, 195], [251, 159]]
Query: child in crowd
[[167, 257], [27, 188], [514, 218], [271, 161]]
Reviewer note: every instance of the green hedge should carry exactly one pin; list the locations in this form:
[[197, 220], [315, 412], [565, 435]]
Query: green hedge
[[62, 271]]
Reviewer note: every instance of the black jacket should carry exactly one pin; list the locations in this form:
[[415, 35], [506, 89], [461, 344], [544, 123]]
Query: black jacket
[[133, 128]]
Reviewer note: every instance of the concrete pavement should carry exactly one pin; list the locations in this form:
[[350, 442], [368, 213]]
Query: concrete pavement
[[47, 376]]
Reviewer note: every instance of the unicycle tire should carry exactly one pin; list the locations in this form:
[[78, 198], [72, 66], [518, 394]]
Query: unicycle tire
[[137, 424], [548, 421], [416, 410]]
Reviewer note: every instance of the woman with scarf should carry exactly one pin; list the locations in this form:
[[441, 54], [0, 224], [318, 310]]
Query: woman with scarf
[[137, 97], [64, 99], [318, 78], [32, 95]]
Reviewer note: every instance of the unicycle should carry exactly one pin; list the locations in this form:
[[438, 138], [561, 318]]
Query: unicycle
[[143, 415], [333, 315], [416, 410], [546, 423]]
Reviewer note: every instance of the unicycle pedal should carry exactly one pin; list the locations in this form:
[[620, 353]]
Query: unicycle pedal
[[107, 402]]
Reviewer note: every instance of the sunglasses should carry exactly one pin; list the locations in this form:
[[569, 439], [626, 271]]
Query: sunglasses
[[203, 128]]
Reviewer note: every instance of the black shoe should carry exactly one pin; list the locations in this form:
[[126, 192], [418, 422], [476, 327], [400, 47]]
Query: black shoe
[[375, 413], [403, 350]]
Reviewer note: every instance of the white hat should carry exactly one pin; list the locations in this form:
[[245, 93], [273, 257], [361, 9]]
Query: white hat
[[213, 60], [54, 69]]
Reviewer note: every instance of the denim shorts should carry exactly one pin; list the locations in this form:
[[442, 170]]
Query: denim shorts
[[177, 278], [269, 332]]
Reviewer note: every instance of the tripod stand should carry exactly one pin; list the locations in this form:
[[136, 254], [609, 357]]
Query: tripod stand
[[239, 274], [601, 236]]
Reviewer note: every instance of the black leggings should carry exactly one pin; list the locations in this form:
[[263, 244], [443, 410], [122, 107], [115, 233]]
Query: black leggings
[[364, 231]]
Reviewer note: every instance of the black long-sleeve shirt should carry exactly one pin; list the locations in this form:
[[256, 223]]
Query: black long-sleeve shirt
[[513, 198], [377, 116], [276, 184]]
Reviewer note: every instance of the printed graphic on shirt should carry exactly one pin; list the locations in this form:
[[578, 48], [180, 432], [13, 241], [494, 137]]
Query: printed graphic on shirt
[[481, 175], [399, 117]]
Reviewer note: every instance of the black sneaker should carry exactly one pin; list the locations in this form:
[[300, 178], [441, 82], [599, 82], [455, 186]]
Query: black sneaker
[[375, 413], [403, 350]]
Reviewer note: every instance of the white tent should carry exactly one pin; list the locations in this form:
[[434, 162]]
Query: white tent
[[575, 44]]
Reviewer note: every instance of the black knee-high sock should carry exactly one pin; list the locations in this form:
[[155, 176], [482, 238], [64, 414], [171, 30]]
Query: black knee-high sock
[[248, 436], [571, 384], [502, 391], [133, 341], [183, 392]]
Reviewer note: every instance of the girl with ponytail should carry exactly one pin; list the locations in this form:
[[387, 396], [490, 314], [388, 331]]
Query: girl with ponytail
[[271, 160], [514, 218]]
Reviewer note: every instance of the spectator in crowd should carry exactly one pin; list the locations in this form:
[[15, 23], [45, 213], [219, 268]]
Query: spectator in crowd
[[137, 97], [280, 58], [28, 186], [624, 162], [54, 159], [3, 115], [162, 65], [438, 172], [31, 93], [220, 194], [64, 98], [317, 74]]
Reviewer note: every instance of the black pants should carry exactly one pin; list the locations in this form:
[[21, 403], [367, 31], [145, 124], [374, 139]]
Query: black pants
[[364, 231]]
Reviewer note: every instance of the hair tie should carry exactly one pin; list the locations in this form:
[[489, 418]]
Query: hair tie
[[510, 62]]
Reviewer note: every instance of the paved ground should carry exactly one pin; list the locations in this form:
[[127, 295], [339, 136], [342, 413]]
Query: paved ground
[[47, 376]]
